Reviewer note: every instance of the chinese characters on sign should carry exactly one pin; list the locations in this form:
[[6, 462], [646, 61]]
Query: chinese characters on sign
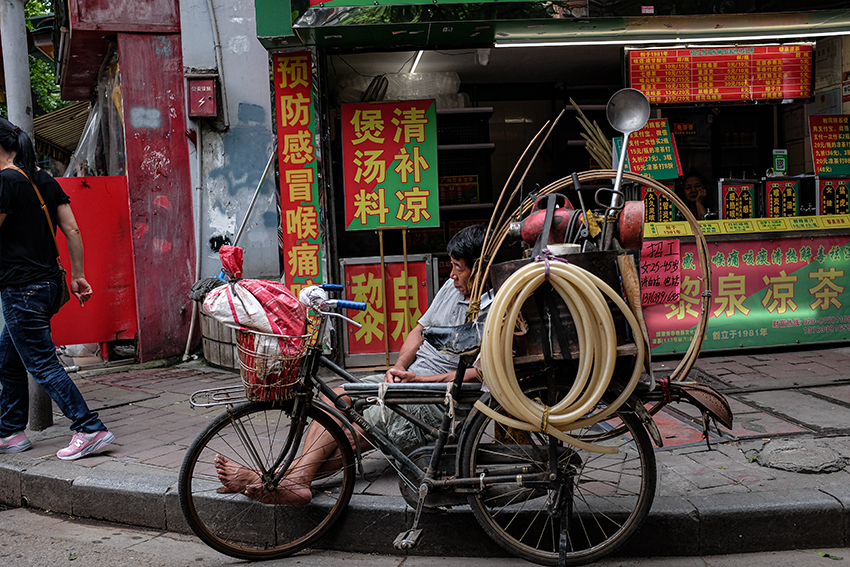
[[660, 272], [736, 200], [833, 196], [657, 207], [652, 151], [300, 238], [781, 198], [363, 283], [390, 165], [752, 72], [830, 143], [786, 291]]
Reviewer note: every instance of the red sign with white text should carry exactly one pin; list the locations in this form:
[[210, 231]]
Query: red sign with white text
[[716, 74]]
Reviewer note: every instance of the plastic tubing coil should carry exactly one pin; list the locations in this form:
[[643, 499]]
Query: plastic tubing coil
[[582, 292]]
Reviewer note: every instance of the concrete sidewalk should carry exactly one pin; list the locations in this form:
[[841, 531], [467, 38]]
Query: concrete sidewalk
[[776, 481]]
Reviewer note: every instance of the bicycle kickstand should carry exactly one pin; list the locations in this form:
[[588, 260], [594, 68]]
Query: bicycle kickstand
[[408, 539]]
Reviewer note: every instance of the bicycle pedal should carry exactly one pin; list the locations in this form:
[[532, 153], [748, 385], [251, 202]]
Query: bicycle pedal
[[408, 539]]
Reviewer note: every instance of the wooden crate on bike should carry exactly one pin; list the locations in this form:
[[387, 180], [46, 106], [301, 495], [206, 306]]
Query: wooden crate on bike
[[269, 363]]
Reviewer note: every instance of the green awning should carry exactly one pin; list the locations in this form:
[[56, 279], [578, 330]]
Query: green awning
[[511, 24]]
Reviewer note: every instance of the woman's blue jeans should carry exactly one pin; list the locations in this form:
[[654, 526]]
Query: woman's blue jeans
[[27, 345]]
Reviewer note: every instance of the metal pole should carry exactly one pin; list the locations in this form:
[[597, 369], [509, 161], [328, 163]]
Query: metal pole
[[386, 307], [16, 66]]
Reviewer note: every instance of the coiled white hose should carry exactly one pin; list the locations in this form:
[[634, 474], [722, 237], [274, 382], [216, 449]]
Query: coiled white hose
[[582, 292]]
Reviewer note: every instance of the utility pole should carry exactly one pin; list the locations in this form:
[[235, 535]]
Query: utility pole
[[16, 65], [13, 37]]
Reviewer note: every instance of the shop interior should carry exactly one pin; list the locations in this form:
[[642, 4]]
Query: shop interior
[[492, 102]]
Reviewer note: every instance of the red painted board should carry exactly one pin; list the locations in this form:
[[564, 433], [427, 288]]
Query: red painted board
[[160, 189], [150, 16], [101, 207]]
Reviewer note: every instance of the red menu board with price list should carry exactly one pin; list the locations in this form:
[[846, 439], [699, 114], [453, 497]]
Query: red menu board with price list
[[718, 74]]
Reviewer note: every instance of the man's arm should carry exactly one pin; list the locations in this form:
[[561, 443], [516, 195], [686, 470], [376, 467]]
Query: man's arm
[[407, 353], [400, 373], [68, 224]]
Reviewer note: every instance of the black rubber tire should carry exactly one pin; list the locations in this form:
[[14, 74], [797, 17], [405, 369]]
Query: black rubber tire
[[612, 493], [238, 526]]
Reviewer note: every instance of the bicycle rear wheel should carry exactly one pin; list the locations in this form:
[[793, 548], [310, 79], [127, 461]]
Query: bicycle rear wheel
[[254, 435], [598, 500]]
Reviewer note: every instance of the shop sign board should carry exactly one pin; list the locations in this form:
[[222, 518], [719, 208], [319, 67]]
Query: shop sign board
[[781, 198], [833, 196], [722, 74], [363, 283], [830, 144], [459, 190], [652, 151], [657, 207], [737, 198], [390, 165], [300, 239], [764, 293]]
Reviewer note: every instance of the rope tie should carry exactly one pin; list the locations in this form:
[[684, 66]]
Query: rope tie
[[544, 423], [379, 399], [545, 256], [451, 404], [665, 390]]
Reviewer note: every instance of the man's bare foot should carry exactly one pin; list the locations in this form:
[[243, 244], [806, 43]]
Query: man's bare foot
[[288, 492], [234, 477], [237, 478]]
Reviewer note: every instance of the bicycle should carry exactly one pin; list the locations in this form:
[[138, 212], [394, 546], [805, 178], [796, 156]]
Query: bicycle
[[539, 498]]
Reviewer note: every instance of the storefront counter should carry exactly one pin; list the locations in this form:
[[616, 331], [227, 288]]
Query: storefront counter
[[774, 282]]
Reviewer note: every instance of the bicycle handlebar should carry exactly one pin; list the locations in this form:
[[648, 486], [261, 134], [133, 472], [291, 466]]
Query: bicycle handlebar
[[347, 304], [332, 287]]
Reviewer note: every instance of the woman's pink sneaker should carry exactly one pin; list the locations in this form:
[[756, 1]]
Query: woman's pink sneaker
[[15, 443], [83, 444]]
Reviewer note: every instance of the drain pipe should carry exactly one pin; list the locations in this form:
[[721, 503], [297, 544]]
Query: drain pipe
[[197, 216], [219, 65]]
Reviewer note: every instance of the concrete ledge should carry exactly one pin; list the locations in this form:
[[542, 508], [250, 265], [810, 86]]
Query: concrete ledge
[[48, 485], [126, 498], [672, 528], [767, 521], [10, 484]]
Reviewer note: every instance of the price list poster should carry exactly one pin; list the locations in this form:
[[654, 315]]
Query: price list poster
[[722, 74], [830, 144]]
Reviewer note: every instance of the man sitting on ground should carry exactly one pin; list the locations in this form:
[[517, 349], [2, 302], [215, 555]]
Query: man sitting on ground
[[418, 361]]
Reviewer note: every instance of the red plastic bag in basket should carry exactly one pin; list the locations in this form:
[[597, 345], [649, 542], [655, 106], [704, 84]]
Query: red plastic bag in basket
[[268, 363]]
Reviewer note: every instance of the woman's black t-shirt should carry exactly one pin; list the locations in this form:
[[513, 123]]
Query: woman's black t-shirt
[[27, 253]]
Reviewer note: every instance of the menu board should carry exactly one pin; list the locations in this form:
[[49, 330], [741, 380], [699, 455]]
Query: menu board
[[652, 151], [737, 197], [657, 207], [833, 196], [781, 198], [722, 74], [830, 143]]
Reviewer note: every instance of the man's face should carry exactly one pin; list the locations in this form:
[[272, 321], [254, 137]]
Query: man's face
[[460, 274]]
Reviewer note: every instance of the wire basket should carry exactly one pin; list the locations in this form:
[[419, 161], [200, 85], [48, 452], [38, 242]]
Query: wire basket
[[269, 364]]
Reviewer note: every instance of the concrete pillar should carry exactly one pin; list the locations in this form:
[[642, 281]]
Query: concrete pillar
[[16, 64], [13, 37]]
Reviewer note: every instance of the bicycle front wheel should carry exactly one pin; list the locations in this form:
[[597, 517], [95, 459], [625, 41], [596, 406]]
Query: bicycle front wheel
[[257, 438], [597, 501]]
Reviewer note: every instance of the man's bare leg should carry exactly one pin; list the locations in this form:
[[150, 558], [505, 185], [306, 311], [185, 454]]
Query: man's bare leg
[[319, 454]]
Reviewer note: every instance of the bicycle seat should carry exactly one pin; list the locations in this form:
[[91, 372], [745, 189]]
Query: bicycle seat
[[460, 340]]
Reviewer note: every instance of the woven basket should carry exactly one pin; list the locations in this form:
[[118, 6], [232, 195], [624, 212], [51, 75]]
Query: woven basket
[[269, 364]]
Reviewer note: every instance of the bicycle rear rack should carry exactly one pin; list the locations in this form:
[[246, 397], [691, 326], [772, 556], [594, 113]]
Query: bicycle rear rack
[[225, 395]]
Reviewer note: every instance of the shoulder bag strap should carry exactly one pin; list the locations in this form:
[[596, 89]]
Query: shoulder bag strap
[[43, 206]]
